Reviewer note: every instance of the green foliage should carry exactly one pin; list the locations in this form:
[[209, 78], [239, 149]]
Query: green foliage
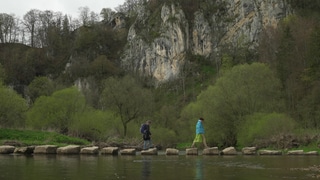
[[94, 125], [189, 116], [40, 86], [261, 128], [285, 55], [21, 64], [99, 40], [237, 53], [308, 138], [226, 62], [244, 90], [184, 145], [12, 108], [2, 74], [56, 111], [127, 99], [314, 54], [28, 137], [309, 109], [305, 7], [167, 116], [102, 67], [164, 136]]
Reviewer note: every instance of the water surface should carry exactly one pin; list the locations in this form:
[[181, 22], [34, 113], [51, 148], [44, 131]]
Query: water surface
[[160, 167]]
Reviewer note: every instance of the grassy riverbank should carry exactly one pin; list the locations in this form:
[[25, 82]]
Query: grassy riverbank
[[28, 137]]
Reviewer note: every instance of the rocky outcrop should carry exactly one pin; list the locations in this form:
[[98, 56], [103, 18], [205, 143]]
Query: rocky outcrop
[[162, 54], [163, 57]]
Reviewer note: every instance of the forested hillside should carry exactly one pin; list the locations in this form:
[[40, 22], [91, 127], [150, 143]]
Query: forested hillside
[[87, 77]]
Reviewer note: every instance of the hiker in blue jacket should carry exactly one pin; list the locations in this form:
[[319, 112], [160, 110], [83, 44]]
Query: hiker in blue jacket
[[200, 134]]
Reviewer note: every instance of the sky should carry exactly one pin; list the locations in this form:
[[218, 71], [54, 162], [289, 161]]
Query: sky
[[69, 7]]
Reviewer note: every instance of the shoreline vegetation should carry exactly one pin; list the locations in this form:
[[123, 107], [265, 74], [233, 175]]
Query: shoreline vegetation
[[24, 138], [17, 137]]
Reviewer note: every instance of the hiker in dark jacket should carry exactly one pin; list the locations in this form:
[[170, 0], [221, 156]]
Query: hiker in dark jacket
[[147, 143]]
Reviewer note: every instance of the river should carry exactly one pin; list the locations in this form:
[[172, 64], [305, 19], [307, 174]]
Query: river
[[159, 167]]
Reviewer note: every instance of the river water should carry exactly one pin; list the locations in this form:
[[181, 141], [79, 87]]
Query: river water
[[160, 167]]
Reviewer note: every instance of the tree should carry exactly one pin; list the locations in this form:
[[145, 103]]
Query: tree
[[86, 17], [40, 86], [107, 14], [309, 109], [12, 108], [7, 28], [30, 22], [244, 90], [56, 111], [131, 7], [102, 67], [127, 99]]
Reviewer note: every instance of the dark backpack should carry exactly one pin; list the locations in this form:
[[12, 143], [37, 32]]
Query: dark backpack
[[143, 128]]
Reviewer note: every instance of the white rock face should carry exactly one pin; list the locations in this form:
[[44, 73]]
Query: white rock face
[[163, 56]]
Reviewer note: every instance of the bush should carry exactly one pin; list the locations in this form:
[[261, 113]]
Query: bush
[[12, 108], [93, 125], [266, 130], [164, 137]]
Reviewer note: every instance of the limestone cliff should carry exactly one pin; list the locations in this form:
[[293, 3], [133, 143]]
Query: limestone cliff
[[171, 35]]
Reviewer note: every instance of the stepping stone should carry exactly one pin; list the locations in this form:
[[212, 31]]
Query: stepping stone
[[110, 150], [295, 152], [172, 151], [270, 152], [249, 150], [90, 150], [211, 151], [45, 149], [229, 151], [151, 151], [70, 149], [192, 151], [24, 150], [6, 149], [312, 153], [128, 152]]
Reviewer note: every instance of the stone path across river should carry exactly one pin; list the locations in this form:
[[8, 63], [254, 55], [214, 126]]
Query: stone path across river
[[95, 150]]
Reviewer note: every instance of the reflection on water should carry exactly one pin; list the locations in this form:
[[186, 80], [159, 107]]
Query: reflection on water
[[146, 167], [199, 169], [159, 167]]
